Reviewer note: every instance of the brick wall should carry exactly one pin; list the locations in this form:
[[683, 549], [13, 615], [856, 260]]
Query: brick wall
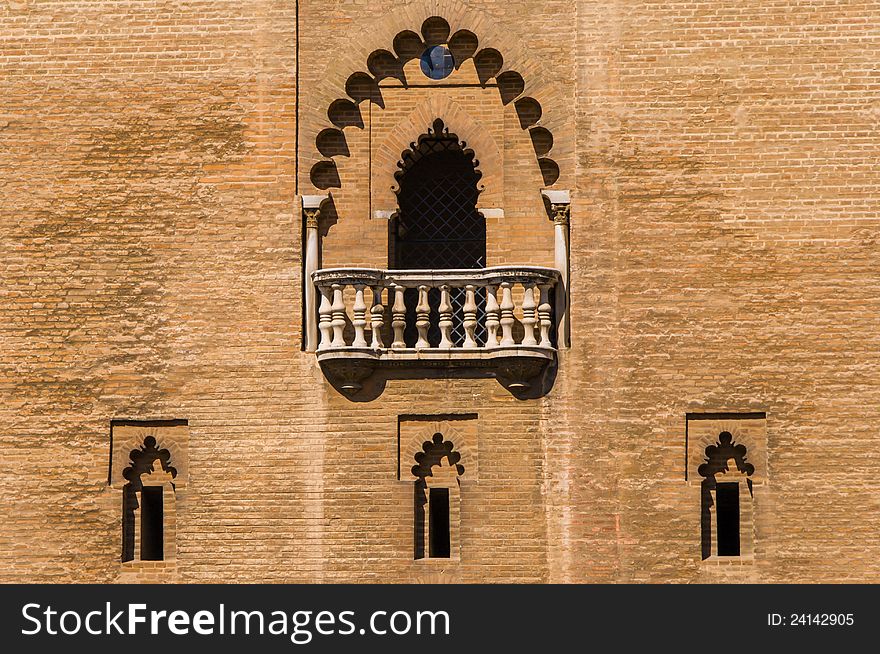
[[721, 157]]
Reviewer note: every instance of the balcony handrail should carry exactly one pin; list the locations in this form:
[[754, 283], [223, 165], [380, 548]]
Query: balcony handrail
[[433, 277]]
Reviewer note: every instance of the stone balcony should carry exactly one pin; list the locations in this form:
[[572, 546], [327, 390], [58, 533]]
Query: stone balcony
[[498, 322]]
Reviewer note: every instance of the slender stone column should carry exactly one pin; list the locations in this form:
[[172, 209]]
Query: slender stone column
[[338, 315], [445, 310], [560, 211], [493, 316], [311, 208], [422, 318], [544, 310], [360, 317], [507, 317], [326, 317], [470, 316], [377, 318], [530, 316]]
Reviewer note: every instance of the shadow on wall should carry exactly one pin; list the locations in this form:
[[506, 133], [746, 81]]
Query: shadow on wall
[[331, 143], [374, 385]]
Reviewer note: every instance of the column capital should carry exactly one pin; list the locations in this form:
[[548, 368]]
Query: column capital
[[561, 213], [311, 207], [560, 205], [311, 217]]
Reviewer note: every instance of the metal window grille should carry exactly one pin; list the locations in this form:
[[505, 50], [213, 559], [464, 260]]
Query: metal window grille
[[438, 225]]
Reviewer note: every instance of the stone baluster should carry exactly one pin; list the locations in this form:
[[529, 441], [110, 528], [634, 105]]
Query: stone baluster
[[493, 316], [360, 317], [544, 313], [325, 323], [445, 323], [398, 317], [507, 318], [423, 310], [470, 316], [338, 311], [529, 316], [377, 319]]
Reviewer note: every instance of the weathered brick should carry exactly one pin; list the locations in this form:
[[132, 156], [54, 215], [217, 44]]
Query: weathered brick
[[722, 161]]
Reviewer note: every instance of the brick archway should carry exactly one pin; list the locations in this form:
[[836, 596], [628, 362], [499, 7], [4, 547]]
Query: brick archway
[[414, 444], [410, 128]]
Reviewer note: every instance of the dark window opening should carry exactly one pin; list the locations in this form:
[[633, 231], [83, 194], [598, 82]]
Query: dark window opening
[[152, 523], [727, 515], [438, 526], [438, 225]]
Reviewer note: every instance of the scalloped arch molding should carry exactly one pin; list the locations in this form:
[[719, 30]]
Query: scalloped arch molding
[[360, 86]]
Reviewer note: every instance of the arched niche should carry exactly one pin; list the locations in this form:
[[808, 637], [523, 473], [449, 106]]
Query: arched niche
[[727, 526], [407, 131], [437, 500]]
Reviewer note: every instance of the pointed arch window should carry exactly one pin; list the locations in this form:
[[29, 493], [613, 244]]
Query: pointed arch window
[[438, 225]]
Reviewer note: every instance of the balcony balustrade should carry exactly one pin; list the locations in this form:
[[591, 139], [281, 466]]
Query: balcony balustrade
[[498, 321]]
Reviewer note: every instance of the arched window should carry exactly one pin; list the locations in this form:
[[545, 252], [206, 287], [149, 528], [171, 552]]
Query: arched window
[[726, 500], [147, 503], [437, 499], [438, 226]]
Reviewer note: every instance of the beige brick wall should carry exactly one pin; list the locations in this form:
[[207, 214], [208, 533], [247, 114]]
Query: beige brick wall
[[722, 159]]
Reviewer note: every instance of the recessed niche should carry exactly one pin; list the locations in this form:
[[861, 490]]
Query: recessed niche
[[437, 62]]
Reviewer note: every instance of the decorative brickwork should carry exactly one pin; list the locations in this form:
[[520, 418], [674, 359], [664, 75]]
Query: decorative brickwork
[[415, 432]]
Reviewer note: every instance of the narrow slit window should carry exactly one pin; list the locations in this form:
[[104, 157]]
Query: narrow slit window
[[437, 499], [148, 500], [727, 508], [727, 512], [438, 527], [152, 523]]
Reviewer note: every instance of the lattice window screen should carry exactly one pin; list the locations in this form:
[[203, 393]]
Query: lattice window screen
[[438, 225]]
